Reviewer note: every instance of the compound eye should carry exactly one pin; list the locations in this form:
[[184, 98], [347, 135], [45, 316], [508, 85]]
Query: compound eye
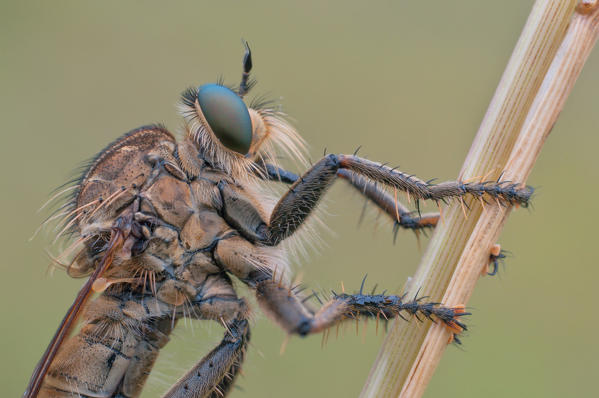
[[227, 116]]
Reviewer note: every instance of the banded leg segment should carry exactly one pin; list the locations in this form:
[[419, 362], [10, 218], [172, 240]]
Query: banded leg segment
[[352, 306], [267, 171], [286, 307], [289, 312], [297, 204], [400, 214], [505, 192], [215, 374], [402, 217]]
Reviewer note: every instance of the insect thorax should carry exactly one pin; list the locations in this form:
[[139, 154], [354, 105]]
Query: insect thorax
[[167, 267]]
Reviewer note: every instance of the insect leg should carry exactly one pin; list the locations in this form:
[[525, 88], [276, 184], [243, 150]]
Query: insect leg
[[402, 216], [505, 192], [146, 353], [286, 307], [270, 172], [296, 205], [214, 375], [294, 317]]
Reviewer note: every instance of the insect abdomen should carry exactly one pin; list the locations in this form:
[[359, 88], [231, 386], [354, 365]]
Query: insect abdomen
[[108, 357]]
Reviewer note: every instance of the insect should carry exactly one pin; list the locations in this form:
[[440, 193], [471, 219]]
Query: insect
[[162, 226]]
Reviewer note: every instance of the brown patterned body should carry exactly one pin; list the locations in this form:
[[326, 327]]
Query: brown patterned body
[[168, 267]]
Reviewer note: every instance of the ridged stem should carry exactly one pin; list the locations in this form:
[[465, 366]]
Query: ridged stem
[[532, 92]]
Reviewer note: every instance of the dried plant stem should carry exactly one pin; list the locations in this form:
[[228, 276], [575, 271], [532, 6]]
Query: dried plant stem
[[510, 138]]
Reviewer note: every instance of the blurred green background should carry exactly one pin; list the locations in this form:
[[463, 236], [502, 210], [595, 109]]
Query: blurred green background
[[409, 81]]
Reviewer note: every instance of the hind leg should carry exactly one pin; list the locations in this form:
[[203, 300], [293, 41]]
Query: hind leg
[[215, 374]]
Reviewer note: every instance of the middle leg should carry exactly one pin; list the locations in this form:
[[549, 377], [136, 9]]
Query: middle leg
[[287, 307], [401, 216], [281, 303]]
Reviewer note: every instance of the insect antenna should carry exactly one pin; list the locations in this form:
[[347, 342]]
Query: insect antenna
[[59, 259], [246, 84], [55, 263]]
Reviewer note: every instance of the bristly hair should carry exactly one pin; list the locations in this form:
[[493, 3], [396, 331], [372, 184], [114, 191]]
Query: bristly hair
[[188, 97], [273, 136], [64, 214], [250, 84], [262, 101]]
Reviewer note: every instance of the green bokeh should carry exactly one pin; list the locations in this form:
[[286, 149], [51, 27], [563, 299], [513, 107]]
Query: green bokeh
[[409, 81]]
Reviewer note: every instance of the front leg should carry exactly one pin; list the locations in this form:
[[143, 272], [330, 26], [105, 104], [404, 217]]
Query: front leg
[[400, 214], [402, 217], [303, 196]]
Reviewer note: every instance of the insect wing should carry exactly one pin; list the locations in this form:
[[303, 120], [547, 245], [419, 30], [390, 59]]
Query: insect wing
[[71, 316]]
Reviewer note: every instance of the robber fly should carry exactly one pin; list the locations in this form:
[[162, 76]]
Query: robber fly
[[161, 226]]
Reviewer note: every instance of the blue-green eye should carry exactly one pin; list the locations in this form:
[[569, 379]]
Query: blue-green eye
[[227, 116]]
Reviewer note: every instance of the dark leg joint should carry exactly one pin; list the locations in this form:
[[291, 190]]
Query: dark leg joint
[[497, 256], [304, 328], [273, 173], [333, 160], [238, 332]]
